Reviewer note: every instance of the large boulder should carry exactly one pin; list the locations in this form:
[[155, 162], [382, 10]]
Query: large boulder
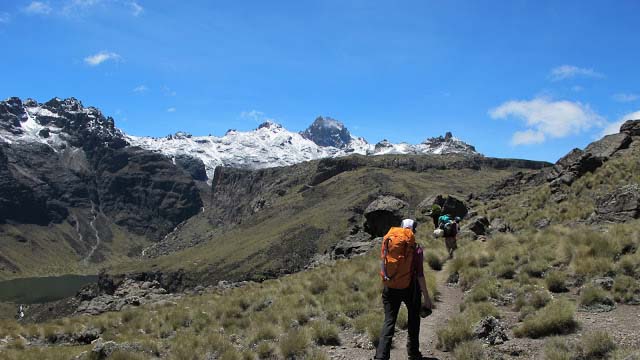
[[384, 213], [354, 245], [621, 205], [479, 226], [490, 330], [448, 205]]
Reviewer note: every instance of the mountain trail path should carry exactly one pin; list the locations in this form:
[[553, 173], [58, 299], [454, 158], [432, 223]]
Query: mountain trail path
[[446, 306]]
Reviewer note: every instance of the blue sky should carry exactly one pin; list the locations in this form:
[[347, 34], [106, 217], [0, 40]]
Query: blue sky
[[525, 79]]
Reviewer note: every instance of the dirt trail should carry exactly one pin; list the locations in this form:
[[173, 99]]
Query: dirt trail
[[448, 304]]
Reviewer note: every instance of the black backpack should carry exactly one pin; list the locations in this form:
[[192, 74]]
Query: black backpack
[[450, 229]]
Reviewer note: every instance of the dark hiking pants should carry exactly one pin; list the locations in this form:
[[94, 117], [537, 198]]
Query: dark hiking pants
[[391, 299]]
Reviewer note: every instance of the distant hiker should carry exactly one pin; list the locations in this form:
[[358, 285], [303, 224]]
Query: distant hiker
[[435, 213], [450, 227], [403, 278], [20, 312]]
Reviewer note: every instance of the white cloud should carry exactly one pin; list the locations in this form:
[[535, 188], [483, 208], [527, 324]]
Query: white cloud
[[140, 89], [570, 71], [4, 18], [136, 9], [546, 118], [167, 91], [625, 97], [38, 8], [614, 127], [254, 115], [99, 58], [171, 109], [527, 137]]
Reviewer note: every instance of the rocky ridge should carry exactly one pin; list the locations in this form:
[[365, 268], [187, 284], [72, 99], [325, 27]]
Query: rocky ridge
[[68, 166]]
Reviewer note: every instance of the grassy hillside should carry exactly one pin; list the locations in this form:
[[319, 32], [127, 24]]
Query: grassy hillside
[[33, 250], [538, 283], [306, 221]]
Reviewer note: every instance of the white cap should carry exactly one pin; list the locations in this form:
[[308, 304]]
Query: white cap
[[407, 223]]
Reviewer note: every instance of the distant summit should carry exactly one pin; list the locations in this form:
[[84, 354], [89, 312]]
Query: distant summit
[[447, 145], [326, 131]]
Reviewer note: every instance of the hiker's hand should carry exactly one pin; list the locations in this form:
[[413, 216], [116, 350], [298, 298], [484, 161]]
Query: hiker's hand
[[386, 278], [427, 303]]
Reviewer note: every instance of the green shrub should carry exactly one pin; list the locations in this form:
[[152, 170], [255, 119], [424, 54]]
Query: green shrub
[[591, 295], [294, 344], [536, 268], [325, 333], [370, 324], [556, 281], [266, 350], [469, 350], [555, 318], [434, 261], [455, 332], [557, 349], [626, 289], [596, 345], [265, 332], [629, 264]]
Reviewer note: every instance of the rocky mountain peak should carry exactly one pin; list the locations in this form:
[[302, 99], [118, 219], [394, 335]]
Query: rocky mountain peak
[[325, 131], [269, 125], [447, 144], [58, 123]]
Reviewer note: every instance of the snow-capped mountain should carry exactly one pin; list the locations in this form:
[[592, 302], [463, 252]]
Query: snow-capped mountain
[[272, 145], [66, 123]]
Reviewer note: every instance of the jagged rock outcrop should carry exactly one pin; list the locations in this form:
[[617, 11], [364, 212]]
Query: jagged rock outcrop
[[621, 205], [384, 213], [631, 127]]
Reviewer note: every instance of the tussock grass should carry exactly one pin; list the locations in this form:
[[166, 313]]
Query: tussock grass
[[556, 281], [591, 295], [626, 289], [294, 344], [469, 350], [325, 333], [554, 319], [596, 345]]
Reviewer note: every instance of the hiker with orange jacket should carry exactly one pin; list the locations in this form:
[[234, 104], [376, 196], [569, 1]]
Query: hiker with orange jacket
[[403, 278]]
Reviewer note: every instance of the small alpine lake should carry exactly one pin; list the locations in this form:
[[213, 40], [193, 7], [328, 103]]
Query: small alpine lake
[[37, 290]]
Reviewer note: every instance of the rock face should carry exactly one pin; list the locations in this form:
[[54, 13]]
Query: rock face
[[384, 213], [194, 166], [619, 206], [631, 127], [326, 131], [61, 161]]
